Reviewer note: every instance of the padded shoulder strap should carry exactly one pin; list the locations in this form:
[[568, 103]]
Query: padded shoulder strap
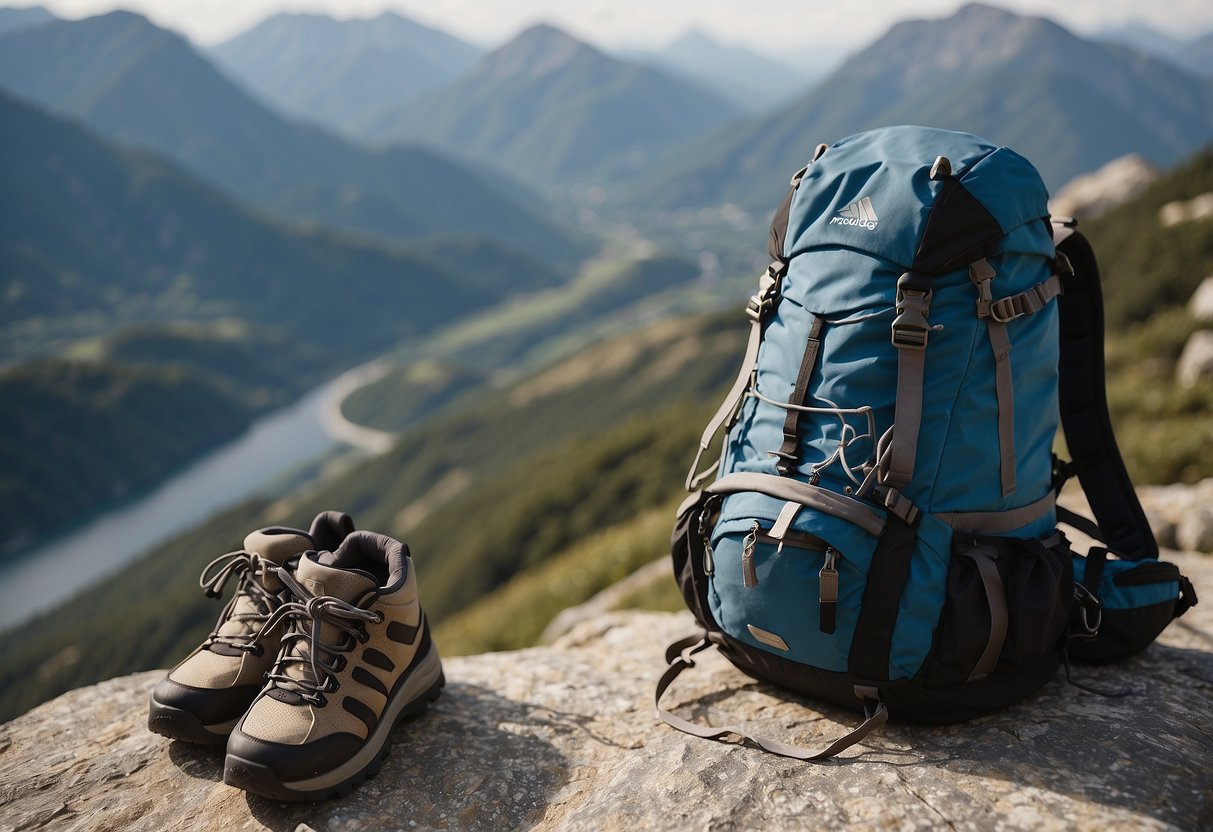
[[1084, 404]]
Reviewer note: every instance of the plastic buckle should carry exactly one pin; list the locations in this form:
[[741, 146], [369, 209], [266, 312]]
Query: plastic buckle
[[910, 327], [768, 291], [982, 275]]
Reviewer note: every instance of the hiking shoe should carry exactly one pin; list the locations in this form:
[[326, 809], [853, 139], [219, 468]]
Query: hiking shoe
[[356, 659], [201, 699]]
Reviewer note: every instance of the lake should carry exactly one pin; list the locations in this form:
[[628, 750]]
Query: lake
[[38, 578]]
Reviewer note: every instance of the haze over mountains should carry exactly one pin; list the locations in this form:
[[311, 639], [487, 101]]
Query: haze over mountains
[[1067, 103], [552, 108], [138, 84], [340, 72]]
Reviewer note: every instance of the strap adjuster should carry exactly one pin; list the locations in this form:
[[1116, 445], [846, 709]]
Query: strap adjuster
[[910, 327], [769, 284]]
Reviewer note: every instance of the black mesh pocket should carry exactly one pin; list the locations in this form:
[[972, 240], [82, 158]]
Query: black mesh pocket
[[1007, 606], [692, 555]]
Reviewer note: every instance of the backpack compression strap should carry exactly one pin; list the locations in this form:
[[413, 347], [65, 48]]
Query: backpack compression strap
[[1084, 404], [679, 656]]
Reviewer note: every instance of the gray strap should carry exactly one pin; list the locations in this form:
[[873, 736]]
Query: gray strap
[[999, 522], [759, 306], [1027, 302], [804, 493], [996, 597], [730, 404], [680, 653], [907, 418], [1000, 343], [784, 521]]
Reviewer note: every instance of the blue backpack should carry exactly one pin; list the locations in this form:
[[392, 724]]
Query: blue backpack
[[881, 532]]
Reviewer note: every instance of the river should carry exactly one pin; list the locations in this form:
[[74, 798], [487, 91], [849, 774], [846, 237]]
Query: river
[[39, 578]]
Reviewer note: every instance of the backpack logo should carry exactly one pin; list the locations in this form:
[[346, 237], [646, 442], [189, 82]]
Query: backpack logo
[[860, 213]]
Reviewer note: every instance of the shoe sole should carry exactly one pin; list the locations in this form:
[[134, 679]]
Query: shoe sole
[[423, 687], [177, 724]]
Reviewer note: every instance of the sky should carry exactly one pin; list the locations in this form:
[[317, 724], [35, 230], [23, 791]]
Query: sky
[[777, 25]]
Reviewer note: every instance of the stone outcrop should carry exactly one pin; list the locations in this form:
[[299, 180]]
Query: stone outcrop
[[1180, 515], [1095, 193], [564, 737]]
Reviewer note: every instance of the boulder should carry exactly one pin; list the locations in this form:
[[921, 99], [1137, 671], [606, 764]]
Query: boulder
[[1092, 194], [564, 737], [1196, 361], [1201, 304]]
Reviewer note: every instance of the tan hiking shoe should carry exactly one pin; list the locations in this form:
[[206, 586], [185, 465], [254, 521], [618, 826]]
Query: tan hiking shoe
[[356, 659], [201, 699]]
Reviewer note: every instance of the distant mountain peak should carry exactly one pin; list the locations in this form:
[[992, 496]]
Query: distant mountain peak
[[536, 51]]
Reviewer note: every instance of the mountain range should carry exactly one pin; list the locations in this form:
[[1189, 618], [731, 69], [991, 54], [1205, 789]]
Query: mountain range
[[141, 85], [750, 81], [337, 72], [551, 108], [93, 237], [1067, 103]]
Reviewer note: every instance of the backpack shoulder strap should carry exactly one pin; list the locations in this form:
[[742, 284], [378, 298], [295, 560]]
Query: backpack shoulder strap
[[1083, 399]]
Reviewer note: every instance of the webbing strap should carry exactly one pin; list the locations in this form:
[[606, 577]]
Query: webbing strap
[[789, 453], [1084, 405], [907, 418], [679, 656], [807, 494], [1000, 343], [730, 404], [996, 598], [1027, 302]]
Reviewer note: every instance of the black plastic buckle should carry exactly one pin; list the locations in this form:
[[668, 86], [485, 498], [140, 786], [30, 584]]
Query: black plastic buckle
[[911, 326]]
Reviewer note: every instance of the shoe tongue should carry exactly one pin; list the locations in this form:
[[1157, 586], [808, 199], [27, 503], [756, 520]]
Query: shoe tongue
[[278, 545], [349, 585]]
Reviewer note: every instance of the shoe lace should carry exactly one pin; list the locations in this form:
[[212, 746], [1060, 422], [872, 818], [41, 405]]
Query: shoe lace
[[302, 644], [247, 568]]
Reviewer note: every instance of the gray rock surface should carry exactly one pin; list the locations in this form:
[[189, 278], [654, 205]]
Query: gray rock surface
[[563, 737]]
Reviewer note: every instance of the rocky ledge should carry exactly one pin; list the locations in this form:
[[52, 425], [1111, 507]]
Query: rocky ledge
[[564, 737]]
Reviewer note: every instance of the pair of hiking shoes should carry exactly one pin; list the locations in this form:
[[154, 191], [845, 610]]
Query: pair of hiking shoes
[[320, 653]]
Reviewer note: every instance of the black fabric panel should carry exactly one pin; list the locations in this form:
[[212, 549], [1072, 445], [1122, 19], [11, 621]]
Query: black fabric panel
[[1084, 410], [869, 657], [959, 230], [687, 550], [789, 453], [779, 226]]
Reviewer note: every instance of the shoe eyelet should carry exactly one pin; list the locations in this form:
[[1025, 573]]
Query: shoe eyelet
[[257, 649], [378, 619], [340, 664]]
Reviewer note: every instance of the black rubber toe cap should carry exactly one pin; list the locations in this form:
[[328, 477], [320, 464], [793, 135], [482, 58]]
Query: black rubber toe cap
[[210, 705]]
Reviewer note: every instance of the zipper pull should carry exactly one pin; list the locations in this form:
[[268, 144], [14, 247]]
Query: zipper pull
[[749, 575], [827, 592], [709, 563]]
